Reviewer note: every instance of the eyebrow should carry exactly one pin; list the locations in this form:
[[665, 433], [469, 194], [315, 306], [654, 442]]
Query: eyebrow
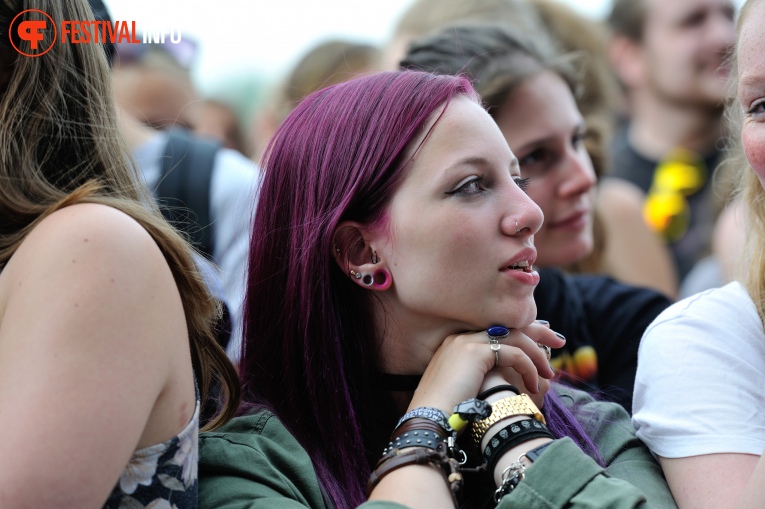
[[749, 80], [579, 128], [481, 161]]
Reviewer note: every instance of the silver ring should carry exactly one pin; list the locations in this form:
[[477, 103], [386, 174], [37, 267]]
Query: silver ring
[[494, 345], [547, 350], [517, 230]]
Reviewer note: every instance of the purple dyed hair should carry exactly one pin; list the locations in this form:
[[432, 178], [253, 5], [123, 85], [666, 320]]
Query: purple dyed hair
[[310, 353]]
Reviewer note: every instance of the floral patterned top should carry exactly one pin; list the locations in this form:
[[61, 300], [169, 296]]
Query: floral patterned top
[[162, 476]]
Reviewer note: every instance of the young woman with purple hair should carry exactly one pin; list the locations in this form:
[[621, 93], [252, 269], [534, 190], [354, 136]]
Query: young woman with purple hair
[[391, 282]]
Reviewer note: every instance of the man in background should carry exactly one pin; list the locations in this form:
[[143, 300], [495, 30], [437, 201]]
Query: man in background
[[671, 57]]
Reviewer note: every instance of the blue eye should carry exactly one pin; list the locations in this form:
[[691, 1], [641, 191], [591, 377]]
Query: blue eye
[[523, 183], [472, 186]]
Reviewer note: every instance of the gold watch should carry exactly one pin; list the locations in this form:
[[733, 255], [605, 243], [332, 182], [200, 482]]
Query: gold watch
[[502, 409]]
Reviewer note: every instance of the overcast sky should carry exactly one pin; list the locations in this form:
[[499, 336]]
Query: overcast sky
[[240, 37]]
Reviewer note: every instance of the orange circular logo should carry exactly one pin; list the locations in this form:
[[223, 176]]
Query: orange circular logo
[[32, 31]]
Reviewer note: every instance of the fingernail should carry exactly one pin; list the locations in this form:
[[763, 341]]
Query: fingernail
[[560, 336], [539, 387], [543, 322], [552, 369]]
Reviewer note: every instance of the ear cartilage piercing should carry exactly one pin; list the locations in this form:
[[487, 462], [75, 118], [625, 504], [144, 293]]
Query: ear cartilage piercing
[[375, 259], [367, 279], [355, 274]]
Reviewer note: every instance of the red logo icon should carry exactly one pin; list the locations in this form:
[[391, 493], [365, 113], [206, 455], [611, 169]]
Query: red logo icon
[[32, 31]]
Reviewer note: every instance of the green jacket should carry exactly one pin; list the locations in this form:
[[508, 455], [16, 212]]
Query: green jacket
[[254, 462]]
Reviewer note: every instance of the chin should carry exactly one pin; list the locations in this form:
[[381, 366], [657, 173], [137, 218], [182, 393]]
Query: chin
[[520, 315]]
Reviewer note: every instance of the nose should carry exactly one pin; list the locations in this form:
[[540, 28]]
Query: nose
[[522, 217], [578, 176]]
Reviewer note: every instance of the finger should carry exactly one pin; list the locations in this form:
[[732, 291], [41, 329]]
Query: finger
[[517, 359], [530, 347], [545, 335], [543, 322]]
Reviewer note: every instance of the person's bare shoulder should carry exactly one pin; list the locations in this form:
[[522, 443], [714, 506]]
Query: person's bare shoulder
[[95, 261], [97, 237]]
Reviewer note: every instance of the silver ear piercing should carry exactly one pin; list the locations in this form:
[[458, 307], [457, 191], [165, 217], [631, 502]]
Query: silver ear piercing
[[355, 274]]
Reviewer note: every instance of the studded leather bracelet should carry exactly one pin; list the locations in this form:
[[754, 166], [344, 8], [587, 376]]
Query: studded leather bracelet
[[417, 432]]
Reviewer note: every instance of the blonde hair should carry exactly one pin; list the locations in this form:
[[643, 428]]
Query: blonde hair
[[748, 188], [60, 145], [426, 16]]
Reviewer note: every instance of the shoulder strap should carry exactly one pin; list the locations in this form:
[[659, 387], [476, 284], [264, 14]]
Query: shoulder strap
[[183, 192]]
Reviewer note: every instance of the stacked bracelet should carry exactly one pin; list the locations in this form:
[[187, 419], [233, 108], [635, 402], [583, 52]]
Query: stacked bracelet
[[416, 432], [511, 436], [418, 456], [418, 441], [502, 409]]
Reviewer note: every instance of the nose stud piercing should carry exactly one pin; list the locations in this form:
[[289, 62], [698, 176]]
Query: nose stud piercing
[[517, 230]]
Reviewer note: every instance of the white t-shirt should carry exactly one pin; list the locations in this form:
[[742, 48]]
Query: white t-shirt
[[700, 386]]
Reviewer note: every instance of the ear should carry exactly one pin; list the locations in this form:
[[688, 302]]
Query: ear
[[355, 253], [627, 58]]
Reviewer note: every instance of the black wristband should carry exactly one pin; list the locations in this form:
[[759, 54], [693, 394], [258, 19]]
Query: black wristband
[[415, 438], [511, 436], [499, 388]]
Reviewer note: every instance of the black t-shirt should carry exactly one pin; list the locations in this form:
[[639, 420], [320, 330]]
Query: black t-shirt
[[695, 243], [603, 321]]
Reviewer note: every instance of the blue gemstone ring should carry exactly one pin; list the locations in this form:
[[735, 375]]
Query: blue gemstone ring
[[496, 332]]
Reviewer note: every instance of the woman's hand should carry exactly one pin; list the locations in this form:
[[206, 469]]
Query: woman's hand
[[538, 333], [459, 368]]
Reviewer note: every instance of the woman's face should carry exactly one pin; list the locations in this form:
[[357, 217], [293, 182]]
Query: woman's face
[[542, 124], [751, 87], [454, 229]]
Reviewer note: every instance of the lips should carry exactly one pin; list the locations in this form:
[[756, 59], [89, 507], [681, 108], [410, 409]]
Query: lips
[[575, 220], [523, 261]]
